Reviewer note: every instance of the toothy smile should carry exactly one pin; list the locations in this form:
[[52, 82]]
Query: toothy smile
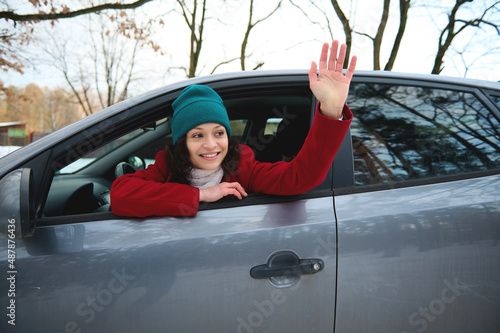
[[209, 155]]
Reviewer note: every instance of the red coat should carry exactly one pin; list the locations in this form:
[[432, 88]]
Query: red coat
[[148, 192]]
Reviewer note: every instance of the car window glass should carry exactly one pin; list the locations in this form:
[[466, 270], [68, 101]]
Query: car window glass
[[147, 153], [99, 152], [403, 132], [496, 99], [272, 126], [237, 128]]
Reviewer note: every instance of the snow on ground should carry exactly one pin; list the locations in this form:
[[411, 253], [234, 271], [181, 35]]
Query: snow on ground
[[4, 150]]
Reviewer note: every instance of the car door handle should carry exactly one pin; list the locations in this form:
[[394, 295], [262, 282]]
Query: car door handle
[[304, 266]]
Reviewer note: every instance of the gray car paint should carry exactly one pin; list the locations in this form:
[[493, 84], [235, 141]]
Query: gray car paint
[[177, 274], [420, 259]]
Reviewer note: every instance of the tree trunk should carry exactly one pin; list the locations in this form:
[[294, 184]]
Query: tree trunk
[[404, 6], [449, 32], [347, 30], [377, 41]]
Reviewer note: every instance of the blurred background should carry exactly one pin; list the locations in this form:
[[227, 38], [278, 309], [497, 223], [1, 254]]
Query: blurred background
[[62, 60]]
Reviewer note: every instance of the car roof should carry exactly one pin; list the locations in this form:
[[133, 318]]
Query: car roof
[[495, 85]]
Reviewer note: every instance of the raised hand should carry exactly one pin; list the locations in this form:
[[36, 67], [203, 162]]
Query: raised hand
[[330, 85], [221, 190]]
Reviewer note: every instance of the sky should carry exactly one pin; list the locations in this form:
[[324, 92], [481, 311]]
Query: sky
[[288, 40]]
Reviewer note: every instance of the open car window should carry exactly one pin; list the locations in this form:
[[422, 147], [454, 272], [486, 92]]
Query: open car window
[[274, 126], [89, 158]]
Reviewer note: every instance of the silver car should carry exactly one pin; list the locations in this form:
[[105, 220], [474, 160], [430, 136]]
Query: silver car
[[402, 236]]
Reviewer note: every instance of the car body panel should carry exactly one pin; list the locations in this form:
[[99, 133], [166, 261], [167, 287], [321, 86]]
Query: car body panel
[[177, 274], [423, 258]]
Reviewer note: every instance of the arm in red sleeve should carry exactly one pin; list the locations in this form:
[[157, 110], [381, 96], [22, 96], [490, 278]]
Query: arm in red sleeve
[[148, 193], [307, 170]]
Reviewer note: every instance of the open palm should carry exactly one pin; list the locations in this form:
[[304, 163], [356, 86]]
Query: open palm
[[330, 85]]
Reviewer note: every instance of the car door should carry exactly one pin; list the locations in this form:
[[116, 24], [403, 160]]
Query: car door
[[266, 264], [178, 274], [419, 223]]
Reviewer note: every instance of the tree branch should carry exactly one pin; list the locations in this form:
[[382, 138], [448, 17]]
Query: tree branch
[[223, 63], [10, 15]]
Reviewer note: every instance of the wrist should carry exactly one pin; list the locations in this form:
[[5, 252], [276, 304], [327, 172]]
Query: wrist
[[334, 112]]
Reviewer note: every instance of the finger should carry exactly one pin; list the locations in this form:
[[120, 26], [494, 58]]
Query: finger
[[235, 193], [313, 76], [227, 190], [237, 186], [333, 55], [352, 67], [341, 58], [231, 189], [241, 189], [324, 57]]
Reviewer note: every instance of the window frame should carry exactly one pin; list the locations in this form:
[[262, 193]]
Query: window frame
[[494, 94], [144, 113]]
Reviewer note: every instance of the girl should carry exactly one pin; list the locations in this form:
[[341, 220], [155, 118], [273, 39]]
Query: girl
[[205, 165]]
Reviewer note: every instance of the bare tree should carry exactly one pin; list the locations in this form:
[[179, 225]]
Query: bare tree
[[104, 67], [61, 11], [250, 26], [328, 26], [19, 30], [347, 30], [347, 19], [463, 63], [59, 110], [24, 104], [42, 109], [404, 6], [195, 19], [377, 39], [114, 61], [456, 25]]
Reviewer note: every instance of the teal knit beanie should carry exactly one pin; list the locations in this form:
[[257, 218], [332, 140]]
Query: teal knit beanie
[[197, 105]]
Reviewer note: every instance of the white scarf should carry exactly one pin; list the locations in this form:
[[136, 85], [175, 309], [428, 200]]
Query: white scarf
[[205, 178]]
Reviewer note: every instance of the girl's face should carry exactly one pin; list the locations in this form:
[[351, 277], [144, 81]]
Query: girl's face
[[207, 145]]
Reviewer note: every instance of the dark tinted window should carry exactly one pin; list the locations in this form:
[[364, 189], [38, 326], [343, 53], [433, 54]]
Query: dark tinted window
[[275, 127], [496, 99], [404, 132]]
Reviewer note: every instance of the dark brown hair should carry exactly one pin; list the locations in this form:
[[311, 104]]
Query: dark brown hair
[[179, 164]]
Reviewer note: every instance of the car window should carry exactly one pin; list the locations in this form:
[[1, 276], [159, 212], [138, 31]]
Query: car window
[[496, 99], [405, 132], [99, 152], [274, 126], [237, 128]]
